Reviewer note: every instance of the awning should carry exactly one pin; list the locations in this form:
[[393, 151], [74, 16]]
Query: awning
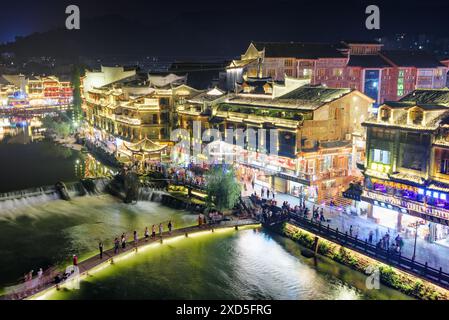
[[144, 146]]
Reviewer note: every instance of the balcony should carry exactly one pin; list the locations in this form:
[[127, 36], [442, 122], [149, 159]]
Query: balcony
[[128, 120]]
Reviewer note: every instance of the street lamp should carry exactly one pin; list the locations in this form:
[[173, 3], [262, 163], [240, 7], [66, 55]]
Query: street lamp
[[414, 246]]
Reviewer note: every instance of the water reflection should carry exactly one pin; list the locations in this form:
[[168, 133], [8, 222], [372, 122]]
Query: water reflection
[[230, 265], [28, 159]]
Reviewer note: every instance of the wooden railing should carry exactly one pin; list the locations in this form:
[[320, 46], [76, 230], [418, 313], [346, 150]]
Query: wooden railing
[[435, 275]]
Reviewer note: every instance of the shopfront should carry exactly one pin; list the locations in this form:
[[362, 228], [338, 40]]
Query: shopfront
[[409, 217], [400, 222]]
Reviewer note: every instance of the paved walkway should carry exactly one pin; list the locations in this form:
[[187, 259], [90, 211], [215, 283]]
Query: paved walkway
[[436, 255], [108, 255]]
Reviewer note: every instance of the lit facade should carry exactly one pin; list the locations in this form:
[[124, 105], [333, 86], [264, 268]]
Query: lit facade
[[406, 170], [317, 130], [383, 75], [134, 108], [36, 92], [48, 91]]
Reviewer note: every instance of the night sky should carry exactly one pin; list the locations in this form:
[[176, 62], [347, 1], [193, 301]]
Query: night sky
[[237, 21]]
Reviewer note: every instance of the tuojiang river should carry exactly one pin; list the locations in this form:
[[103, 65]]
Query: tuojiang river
[[245, 264]]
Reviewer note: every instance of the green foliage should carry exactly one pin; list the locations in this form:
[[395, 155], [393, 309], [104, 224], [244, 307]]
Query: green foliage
[[222, 188], [77, 111], [388, 275], [61, 128]]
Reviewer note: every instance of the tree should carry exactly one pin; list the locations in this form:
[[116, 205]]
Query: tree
[[223, 189], [77, 112]]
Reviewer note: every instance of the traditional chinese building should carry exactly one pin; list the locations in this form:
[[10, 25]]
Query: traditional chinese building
[[48, 91], [316, 131], [407, 164], [37, 91], [134, 108], [364, 66]]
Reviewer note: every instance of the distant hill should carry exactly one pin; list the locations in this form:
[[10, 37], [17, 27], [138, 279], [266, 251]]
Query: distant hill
[[102, 35], [113, 34]]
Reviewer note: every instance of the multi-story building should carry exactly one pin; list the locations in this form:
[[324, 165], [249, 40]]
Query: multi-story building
[[316, 129], [104, 76], [134, 108], [48, 91], [407, 165], [364, 66], [45, 91]]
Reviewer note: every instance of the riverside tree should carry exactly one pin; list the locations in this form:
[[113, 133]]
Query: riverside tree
[[223, 189], [77, 111]]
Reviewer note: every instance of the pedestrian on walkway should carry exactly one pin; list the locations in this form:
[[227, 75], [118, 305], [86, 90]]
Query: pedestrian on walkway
[[147, 233], [262, 192], [136, 238], [370, 237], [123, 241], [40, 279], [253, 183], [322, 218], [273, 192], [350, 230], [268, 193], [75, 260], [153, 231], [116, 245], [170, 226], [100, 248], [161, 229]]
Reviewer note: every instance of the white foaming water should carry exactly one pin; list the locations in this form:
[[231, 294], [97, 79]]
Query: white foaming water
[[150, 194], [36, 196]]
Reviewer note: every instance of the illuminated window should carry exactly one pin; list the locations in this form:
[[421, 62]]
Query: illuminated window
[[288, 63], [416, 116], [321, 72], [400, 88], [338, 72], [381, 156], [444, 166], [385, 114]]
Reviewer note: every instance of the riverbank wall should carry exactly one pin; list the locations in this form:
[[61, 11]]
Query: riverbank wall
[[389, 276]]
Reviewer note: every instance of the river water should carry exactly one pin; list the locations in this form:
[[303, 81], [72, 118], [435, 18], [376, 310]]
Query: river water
[[245, 264], [27, 160]]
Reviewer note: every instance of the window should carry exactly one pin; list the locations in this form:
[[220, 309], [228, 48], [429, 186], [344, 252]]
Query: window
[[385, 114], [416, 116], [288, 63], [444, 166], [400, 87], [338, 72], [381, 156], [307, 72], [289, 72]]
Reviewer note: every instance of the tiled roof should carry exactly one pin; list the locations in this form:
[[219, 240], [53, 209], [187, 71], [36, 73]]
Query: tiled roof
[[428, 97], [300, 50], [412, 58], [368, 61], [304, 98], [317, 94]]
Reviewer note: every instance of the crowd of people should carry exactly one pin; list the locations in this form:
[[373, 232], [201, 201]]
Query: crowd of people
[[267, 210]]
